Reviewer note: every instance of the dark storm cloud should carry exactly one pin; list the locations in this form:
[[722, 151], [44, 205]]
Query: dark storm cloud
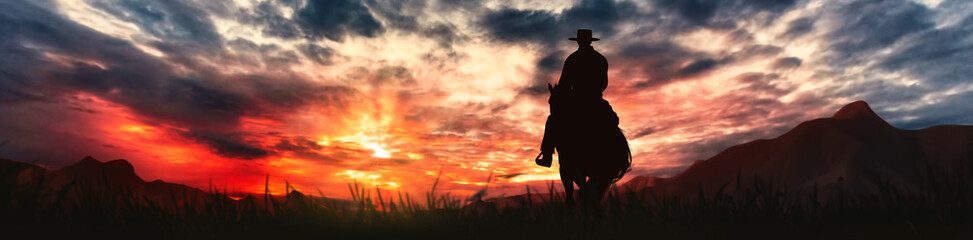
[[666, 62], [403, 15], [294, 4], [268, 14], [751, 77], [697, 67], [169, 20], [538, 89], [551, 62], [744, 109], [955, 109], [941, 57], [334, 19], [662, 50], [395, 12], [317, 19], [602, 15], [207, 104], [281, 92], [445, 33], [318, 54], [753, 51], [281, 59], [757, 82], [645, 131], [307, 149], [229, 145], [202, 100], [49, 33], [799, 27], [153, 91], [660, 61], [741, 35], [457, 4], [695, 11], [512, 25], [217, 8], [711, 12], [870, 25], [546, 27], [16, 61], [787, 62], [267, 55], [297, 144]]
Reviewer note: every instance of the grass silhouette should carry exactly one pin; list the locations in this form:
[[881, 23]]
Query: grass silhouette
[[759, 209]]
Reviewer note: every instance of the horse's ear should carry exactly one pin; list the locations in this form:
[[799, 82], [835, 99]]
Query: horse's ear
[[550, 88]]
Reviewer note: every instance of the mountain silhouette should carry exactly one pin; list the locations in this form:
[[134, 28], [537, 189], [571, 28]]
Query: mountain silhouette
[[854, 152], [29, 182], [90, 175]]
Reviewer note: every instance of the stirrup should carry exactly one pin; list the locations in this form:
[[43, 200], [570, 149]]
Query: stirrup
[[540, 161]]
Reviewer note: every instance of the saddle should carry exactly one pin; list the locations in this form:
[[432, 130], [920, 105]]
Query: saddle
[[590, 117]]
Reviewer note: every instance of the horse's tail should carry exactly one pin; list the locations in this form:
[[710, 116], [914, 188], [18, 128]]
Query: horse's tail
[[626, 165]]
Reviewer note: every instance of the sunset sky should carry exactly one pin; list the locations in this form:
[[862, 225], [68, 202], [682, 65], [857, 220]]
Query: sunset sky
[[390, 93]]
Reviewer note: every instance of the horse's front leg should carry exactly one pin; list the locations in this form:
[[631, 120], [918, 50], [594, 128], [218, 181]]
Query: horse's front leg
[[567, 179]]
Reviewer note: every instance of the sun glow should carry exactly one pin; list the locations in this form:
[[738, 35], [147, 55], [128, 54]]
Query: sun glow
[[379, 152], [536, 177]]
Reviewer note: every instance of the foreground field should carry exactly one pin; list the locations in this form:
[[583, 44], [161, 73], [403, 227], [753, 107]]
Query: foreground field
[[761, 210]]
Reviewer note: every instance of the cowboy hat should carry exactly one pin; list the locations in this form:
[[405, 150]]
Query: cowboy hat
[[584, 34]]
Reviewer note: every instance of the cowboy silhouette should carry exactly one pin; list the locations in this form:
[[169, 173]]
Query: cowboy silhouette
[[585, 76], [582, 127]]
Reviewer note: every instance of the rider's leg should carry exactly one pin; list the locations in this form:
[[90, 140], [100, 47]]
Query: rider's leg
[[549, 141]]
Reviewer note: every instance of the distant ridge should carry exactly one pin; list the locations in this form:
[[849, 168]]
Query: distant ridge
[[116, 177], [853, 152], [93, 175]]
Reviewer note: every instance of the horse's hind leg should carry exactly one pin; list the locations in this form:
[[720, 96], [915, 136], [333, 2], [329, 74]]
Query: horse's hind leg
[[592, 193], [597, 187]]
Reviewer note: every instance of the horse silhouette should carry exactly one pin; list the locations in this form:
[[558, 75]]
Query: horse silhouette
[[592, 151]]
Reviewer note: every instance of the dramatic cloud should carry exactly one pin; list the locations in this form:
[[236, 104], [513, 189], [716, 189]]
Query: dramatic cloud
[[229, 145], [871, 25], [334, 19], [788, 62], [715, 13], [522, 25], [178, 22], [800, 26]]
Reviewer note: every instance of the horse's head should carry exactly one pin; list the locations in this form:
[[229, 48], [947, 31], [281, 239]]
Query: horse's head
[[558, 97]]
